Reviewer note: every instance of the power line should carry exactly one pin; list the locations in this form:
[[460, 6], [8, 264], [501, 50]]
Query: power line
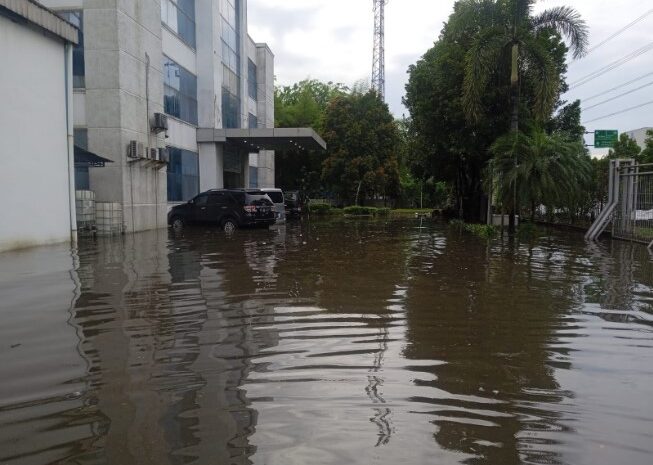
[[615, 64], [626, 110], [632, 81], [619, 32], [619, 96]]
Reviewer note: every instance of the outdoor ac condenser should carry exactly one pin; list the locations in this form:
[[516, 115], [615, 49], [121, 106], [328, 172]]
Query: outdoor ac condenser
[[160, 123]]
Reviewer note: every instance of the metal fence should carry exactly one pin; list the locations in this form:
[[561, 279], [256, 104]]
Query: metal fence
[[630, 203]]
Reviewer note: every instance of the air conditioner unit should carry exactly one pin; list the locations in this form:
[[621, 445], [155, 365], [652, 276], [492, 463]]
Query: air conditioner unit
[[132, 149], [164, 155], [160, 123], [153, 154]]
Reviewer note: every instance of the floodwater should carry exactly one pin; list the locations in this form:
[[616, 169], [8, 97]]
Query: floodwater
[[327, 343]]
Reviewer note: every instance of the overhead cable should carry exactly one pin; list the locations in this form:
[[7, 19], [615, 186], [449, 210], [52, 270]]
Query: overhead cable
[[615, 64], [619, 96], [620, 31], [626, 110], [632, 81]]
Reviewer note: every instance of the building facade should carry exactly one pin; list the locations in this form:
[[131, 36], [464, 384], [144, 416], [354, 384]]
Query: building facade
[[639, 135], [190, 60], [36, 148]]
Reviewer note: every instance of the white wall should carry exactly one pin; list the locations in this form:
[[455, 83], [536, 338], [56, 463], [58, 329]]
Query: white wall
[[33, 139]]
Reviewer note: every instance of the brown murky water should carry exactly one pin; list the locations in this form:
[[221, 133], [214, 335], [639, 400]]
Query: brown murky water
[[327, 343]]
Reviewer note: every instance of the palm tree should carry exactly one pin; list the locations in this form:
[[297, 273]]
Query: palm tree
[[509, 33], [545, 168]]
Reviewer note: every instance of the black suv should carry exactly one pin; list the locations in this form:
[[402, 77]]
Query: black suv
[[229, 208]]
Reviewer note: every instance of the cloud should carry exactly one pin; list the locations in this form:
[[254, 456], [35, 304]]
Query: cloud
[[332, 40]]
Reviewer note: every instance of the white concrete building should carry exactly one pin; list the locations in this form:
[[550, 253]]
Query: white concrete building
[[193, 61], [36, 146], [639, 135]]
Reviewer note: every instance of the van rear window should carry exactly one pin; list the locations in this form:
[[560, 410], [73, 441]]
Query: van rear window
[[277, 197]]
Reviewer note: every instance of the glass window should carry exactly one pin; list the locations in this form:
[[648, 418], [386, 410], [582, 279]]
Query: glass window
[[80, 136], [183, 175], [253, 121], [253, 177], [231, 115], [179, 16], [82, 180], [179, 92], [252, 84], [76, 17]]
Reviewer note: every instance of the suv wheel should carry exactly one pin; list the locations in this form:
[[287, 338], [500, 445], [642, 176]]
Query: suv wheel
[[229, 225], [177, 223]]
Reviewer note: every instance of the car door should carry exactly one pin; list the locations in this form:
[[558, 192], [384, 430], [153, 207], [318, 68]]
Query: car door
[[217, 207], [200, 209]]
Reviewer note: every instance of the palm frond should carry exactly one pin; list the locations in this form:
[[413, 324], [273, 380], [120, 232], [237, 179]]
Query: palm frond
[[480, 63], [568, 22], [547, 81]]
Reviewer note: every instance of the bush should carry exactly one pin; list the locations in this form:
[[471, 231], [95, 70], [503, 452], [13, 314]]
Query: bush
[[319, 208], [482, 230], [383, 211], [360, 211]]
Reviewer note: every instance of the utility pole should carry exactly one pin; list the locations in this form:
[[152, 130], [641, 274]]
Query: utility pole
[[378, 56]]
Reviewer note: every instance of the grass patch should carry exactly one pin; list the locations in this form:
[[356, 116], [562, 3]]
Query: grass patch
[[485, 231], [357, 210]]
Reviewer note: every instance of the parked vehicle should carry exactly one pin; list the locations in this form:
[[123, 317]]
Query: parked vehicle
[[228, 208], [277, 197], [295, 202]]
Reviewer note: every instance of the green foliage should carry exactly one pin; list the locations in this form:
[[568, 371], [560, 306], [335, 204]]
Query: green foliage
[[319, 208], [302, 105], [625, 147], [647, 153], [357, 210], [545, 169], [481, 230], [363, 141], [485, 231], [459, 92]]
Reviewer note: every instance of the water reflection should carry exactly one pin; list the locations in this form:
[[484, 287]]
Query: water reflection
[[336, 342]]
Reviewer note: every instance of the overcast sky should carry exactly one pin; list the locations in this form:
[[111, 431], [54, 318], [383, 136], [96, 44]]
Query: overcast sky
[[331, 40]]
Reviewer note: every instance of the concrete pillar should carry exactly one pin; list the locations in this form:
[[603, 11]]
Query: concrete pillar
[[211, 160], [124, 88]]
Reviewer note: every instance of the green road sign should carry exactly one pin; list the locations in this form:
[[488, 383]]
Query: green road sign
[[605, 139]]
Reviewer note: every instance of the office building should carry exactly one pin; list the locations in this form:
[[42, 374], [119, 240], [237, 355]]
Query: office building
[[177, 96]]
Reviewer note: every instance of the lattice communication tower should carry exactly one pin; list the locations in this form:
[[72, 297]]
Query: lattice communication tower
[[378, 57]]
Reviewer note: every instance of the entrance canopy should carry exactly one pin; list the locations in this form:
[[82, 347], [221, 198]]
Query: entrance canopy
[[265, 139], [85, 158]]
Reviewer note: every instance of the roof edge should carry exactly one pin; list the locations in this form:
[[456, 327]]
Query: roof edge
[[42, 17]]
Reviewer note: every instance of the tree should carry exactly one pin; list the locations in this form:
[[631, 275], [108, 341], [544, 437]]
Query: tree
[[546, 169], [510, 37], [302, 105], [625, 147], [362, 139], [647, 154]]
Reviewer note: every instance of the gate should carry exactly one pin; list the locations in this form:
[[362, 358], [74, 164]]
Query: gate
[[630, 203]]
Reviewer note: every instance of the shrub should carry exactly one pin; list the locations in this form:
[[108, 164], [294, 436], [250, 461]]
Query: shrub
[[482, 230], [319, 208], [360, 211], [383, 211]]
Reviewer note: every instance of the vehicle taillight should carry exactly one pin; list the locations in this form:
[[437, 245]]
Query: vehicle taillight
[[250, 208]]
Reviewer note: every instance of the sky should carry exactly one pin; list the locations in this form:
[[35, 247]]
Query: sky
[[331, 40]]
